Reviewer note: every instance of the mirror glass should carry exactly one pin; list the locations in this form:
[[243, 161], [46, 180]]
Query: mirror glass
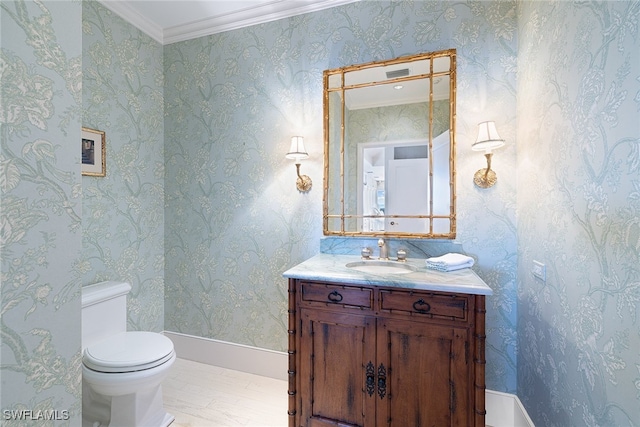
[[389, 135]]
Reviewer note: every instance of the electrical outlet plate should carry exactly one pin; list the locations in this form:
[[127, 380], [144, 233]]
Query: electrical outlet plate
[[539, 270]]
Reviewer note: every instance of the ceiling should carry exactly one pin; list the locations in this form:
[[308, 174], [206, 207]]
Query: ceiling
[[170, 21]]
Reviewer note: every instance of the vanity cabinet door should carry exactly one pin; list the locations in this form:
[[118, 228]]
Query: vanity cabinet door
[[335, 349], [373, 357], [423, 374]]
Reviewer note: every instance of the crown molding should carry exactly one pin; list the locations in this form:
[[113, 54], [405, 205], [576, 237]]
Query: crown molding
[[126, 12], [267, 12]]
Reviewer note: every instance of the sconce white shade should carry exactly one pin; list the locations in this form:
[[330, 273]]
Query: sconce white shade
[[297, 151], [488, 137]]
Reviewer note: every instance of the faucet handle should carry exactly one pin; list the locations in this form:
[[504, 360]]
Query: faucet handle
[[402, 255], [366, 253]]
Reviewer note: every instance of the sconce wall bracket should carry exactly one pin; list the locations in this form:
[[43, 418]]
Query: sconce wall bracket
[[303, 183], [485, 177]]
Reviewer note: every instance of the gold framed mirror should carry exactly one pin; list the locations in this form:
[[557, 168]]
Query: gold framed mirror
[[389, 148]]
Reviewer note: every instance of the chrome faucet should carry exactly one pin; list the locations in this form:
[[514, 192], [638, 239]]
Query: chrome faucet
[[384, 250]]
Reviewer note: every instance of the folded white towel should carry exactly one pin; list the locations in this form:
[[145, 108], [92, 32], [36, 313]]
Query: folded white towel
[[450, 262]]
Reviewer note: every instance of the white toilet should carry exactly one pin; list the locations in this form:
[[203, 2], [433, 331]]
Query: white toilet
[[122, 371]]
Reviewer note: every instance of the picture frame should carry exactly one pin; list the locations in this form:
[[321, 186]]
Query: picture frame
[[94, 152]]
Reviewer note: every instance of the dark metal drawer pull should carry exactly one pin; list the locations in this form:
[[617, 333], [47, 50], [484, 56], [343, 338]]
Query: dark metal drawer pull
[[421, 306], [382, 381], [335, 296], [371, 374]]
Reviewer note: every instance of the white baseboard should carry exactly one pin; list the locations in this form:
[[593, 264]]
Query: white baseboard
[[503, 409], [244, 358]]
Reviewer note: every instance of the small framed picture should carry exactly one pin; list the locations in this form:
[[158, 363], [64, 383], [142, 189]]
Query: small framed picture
[[94, 152]]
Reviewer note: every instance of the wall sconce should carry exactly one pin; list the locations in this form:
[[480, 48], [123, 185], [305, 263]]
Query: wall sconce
[[487, 140], [297, 152]]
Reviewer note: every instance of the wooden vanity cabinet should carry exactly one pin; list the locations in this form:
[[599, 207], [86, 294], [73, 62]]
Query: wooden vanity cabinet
[[373, 356]]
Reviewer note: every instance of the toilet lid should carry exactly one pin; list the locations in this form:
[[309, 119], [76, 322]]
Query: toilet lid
[[128, 352]]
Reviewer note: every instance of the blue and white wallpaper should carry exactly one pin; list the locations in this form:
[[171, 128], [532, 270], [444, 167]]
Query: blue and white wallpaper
[[199, 209], [579, 212], [40, 211], [123, 213]]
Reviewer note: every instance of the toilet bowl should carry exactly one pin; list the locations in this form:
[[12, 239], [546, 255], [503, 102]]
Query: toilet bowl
[[122, 372]]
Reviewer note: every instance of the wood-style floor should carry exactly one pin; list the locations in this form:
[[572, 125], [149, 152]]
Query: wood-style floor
[[208, 396]]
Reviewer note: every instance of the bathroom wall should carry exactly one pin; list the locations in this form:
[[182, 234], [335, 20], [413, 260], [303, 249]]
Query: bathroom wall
[[234, 220], [123, 213], [579, 212], [40, 216]]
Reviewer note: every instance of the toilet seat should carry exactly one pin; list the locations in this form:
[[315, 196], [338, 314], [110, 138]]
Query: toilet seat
[[128, 352]]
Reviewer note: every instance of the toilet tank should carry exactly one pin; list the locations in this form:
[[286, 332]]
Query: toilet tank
[[104, 310]]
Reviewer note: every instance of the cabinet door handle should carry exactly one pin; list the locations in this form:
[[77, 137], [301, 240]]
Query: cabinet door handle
[[371, 375], [382, 381], [421, 306], [335, 296]]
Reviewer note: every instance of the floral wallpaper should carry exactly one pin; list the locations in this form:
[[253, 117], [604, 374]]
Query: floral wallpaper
[[123, 213], [234, 220], [40, 216], [579, 212]]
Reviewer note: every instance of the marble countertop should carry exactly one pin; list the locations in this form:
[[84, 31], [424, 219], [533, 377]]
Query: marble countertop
[[332, 268]]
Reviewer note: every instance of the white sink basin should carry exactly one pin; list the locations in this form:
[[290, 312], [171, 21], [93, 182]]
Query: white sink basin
[[382, 267]]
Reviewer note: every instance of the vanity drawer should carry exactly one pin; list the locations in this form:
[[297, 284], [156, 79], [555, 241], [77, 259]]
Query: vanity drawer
[[450, 306], [353, 296]]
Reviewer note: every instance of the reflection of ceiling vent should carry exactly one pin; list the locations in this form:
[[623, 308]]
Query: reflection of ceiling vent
[[397, 73]]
